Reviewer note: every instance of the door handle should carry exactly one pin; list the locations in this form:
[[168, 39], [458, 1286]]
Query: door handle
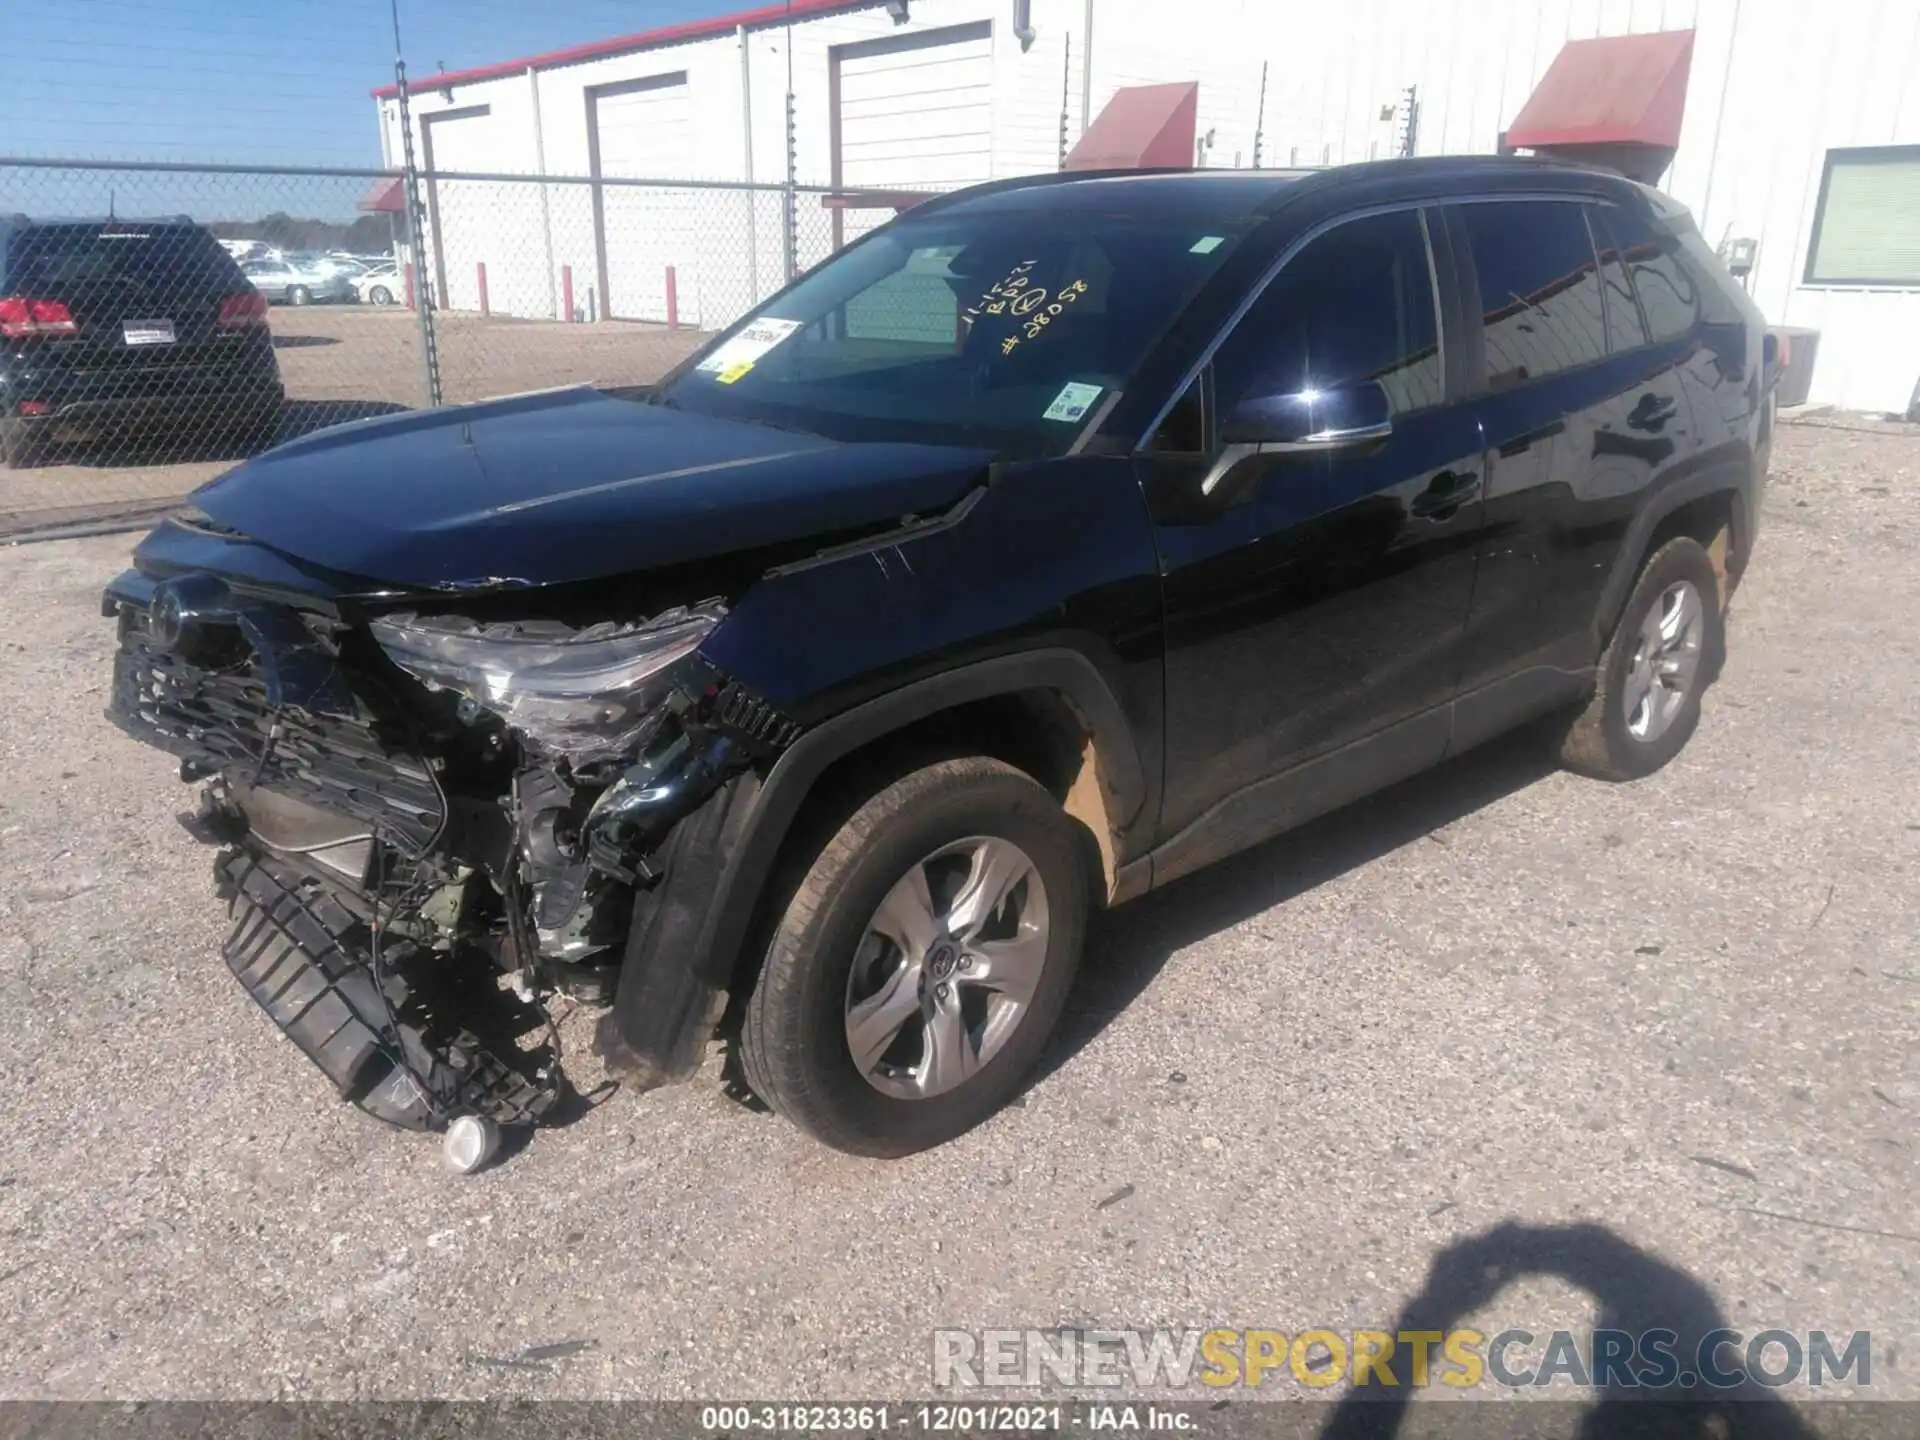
[[1444, 496], [1523, 443]]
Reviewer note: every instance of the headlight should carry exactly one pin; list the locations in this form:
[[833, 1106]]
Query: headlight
[[583, 694]]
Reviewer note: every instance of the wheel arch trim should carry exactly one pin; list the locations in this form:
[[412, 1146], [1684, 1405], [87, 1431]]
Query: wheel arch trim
[[794, 774], [1682, 490]]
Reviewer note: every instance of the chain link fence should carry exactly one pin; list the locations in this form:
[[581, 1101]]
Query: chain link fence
[[162, 322]]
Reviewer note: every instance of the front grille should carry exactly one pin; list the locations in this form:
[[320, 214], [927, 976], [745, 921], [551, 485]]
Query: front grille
[[221, 721]]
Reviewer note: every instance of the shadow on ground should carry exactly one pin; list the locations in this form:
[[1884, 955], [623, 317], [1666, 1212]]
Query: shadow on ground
[[1636, 1293], [1129, 946]]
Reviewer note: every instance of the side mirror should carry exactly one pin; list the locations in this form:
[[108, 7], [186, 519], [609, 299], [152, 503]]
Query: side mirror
[[1356, 413]]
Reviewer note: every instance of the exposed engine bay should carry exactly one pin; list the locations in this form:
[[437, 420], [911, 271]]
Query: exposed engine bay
[[430, 825]]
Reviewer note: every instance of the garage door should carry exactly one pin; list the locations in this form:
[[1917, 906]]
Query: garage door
[[916, 111], [463, 216], [643, 129]]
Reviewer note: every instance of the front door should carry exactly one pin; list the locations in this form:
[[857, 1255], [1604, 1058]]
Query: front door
[[1315, 609]]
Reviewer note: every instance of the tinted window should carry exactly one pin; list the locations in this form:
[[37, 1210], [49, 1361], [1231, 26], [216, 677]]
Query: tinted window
[[59, 260], [1184, 431], [1625, 330], [1538, 288], [1355, 304], [1667, 291]]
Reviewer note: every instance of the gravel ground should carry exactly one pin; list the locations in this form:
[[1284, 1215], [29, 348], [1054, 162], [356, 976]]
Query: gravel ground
[[1681, 1011]]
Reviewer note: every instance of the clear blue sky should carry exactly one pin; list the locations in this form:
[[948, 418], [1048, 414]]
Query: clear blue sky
[[279, 82]]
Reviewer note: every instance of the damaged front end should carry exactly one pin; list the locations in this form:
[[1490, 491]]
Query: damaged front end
[[430, 824]]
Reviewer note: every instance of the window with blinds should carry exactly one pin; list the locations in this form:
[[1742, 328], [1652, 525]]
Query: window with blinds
[[1866, 230]]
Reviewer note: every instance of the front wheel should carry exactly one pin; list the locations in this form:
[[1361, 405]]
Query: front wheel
[[299, 295], [1665, 652], [379, 295], [922, 963]]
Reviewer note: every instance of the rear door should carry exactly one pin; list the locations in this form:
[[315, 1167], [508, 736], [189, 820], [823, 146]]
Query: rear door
[[1578, 414]]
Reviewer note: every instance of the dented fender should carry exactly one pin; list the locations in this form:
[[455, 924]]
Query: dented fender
[[868, 639]]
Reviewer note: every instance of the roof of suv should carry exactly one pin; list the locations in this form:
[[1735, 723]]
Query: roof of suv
[[1253, 191]]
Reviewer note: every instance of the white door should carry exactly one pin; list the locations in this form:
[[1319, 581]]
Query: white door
[[644, 130], [916, 113], [463, 215]]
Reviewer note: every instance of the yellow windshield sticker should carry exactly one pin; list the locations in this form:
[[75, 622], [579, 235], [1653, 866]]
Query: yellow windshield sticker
[[737, 354]]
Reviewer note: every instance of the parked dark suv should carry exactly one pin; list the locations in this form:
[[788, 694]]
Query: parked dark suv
[[1057, 539], [119, 326]]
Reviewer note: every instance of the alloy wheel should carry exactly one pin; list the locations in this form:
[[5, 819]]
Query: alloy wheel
[[947, 967], [1666, 660]]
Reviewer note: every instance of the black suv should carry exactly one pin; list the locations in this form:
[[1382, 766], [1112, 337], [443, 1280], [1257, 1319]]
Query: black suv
[[110, 327], [1056, 539]]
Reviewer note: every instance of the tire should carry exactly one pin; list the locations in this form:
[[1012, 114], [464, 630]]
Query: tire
[[826, 958], [19, 446], [1615, 738], [299, 295], [379, 295]]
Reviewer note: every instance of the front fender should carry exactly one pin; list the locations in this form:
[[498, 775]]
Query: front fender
[[1046, 582]]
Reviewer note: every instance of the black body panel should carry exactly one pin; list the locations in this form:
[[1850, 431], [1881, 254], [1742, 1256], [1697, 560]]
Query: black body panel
[[1242, 636]]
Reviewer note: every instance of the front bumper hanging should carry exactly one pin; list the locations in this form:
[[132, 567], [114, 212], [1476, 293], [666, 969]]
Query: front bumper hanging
[[304, 958]]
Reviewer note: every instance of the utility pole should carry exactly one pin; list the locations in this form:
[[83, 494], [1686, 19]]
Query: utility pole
[[1066, 98], [1260, 118], [1086, 69]]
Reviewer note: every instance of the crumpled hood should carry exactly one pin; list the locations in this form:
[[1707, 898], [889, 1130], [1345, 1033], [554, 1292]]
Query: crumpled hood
[[566, 485]]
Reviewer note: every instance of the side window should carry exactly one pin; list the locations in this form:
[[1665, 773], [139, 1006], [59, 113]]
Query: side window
[[1538, 288], [1667, 291], [1355, 304], [1184, 431], [1625, 329]]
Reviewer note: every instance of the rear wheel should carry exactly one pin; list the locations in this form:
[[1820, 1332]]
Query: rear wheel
[[922, 963], [379, 295], [299, 295], [1665, 652]]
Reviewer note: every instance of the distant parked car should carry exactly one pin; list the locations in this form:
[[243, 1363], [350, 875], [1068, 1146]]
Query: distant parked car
[[115, 326], [291, 281], [379, 287], [359, 264]]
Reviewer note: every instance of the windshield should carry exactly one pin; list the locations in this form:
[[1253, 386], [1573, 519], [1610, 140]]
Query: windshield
[[988, 327]]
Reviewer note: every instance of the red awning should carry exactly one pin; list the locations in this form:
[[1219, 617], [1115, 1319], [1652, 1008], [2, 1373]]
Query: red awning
[[1143, 127], [1617, 90], [385, 197]]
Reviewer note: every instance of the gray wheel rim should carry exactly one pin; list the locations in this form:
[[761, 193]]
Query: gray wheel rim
[[1666, 660], [947, 968]]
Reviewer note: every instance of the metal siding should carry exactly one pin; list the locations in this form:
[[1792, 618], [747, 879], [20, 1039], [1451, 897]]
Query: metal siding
[[920, 117]]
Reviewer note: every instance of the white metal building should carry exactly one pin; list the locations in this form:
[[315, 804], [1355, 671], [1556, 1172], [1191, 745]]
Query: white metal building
[[1800, 132]]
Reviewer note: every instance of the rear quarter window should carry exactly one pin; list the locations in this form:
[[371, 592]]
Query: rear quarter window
[[1669, 290]]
